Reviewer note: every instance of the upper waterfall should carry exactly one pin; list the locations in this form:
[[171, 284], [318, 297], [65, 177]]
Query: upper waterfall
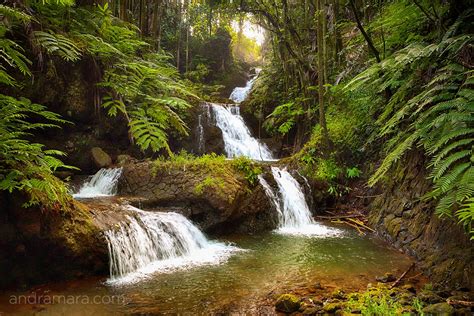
[[158, 241], [293, 211], [237, 138], [239, 94], [103, 183]]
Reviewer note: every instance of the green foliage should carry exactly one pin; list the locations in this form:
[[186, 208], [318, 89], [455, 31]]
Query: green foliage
[[382, 301], [250, 168], [353, 172], [438, 117], [59, 45], [284, 117], [27, 166], [211, 183]]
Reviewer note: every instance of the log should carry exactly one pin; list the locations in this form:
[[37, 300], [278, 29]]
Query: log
[[402, 276], [461, 303]]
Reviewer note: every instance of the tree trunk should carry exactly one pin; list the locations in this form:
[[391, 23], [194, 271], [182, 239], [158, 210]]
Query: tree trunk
[[322, 116]]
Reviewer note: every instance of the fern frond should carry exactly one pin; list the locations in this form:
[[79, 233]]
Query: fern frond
[[58, 44]]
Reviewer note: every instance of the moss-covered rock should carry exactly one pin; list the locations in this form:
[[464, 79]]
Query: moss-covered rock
[[101, 158], [338, 294], [333, 307], [443, 249], [387, 277], [288, 303], [441, 309], [429, 297], [49, 245], [212, 192]]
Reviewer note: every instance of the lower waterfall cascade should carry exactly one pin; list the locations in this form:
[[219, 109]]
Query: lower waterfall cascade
[[159, 241], [293, 212]]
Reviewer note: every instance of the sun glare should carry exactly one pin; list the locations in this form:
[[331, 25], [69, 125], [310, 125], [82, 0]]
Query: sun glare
[[251, 31]]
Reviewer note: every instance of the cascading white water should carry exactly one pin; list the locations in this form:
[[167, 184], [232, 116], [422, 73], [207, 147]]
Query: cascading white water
[[293, 211], [237, 138], [158, 241], [200, 132], [103, 183], [239, 94]]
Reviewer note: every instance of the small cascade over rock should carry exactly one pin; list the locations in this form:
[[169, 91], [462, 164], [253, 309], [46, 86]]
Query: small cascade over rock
[[238, 140], [239, 94], [103, 183], [159, 241], [293, 211]]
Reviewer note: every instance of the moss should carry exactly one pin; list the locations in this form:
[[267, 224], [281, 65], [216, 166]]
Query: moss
[[333, 307], [288, 303]]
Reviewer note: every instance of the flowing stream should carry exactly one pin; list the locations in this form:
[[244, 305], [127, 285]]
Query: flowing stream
[[290, 203], [272, 264], [159, 241], [161, 263], [238, 140], [103, 183]]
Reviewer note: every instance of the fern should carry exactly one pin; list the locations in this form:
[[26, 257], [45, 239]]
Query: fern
[[438, 118], [58, 44]]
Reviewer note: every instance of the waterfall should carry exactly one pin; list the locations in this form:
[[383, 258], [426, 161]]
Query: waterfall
[[239, 94], [200, 132], [103, 183], [159, 241], [293, 211], [237, 138]]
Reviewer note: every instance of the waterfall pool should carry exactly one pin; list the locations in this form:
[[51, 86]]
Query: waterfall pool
[[246, 282]]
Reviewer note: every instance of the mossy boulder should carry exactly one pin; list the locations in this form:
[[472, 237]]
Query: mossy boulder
[[211, 192], [441, 309], [40, 244], [387, 277], [333, 307], [429, 297], [338, 294], [288, 303], [101, 158]]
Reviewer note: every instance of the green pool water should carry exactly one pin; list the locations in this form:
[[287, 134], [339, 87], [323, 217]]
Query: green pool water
[[271, 264]]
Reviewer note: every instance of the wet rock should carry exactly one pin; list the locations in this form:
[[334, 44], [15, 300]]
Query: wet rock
[[439, 309], [333, 307], [288, 303], [429, 297], [387, 277], [443, 249], [123, 159], [217, 196], [312, 310], [409, 287], [101, 158], [338, 294]]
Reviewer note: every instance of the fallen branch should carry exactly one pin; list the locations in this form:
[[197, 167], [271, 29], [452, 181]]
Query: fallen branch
[[338, 216], [360, 223], [402, 276], [462, 303]]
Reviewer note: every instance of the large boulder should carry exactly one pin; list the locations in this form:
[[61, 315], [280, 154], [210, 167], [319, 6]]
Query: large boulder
[[101, 158], [215, 196], [41, 244]]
